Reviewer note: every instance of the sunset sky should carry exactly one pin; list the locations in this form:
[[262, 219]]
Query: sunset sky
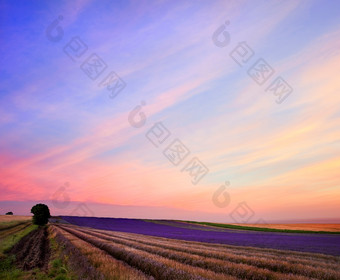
[[68, 140]]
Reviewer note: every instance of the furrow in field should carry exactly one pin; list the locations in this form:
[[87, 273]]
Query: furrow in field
[[110, 267], [7, 227], [240, 270], [296, 266], [149, 264], [13, 229], [32, 250]]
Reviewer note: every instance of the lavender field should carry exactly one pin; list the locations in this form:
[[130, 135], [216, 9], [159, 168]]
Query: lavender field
[[315, 243], [136, 249]]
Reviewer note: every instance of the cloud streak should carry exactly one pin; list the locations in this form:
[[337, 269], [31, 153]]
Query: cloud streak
[[59, 126]]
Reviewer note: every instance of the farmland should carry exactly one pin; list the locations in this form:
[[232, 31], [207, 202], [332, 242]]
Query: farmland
[[315, 243], [7, 221], [107, 248], [28, 251], [304, 227], [13, 218], [164, 258], [287, 228], [12, 228]]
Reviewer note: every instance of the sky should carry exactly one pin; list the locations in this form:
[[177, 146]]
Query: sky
[[222, 111]]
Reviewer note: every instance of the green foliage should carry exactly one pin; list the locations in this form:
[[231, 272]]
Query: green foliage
[[58, 269], [7, 269], [58, 266], [9, 213], [61, 277], [41, 214], [6, 263], [57, 263], [11, 274]]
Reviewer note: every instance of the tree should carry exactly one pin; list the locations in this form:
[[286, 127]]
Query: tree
[[9, 213], [41, 213]]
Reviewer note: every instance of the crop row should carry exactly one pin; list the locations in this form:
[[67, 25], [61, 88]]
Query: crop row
[[208, 261], [110, 267], [226, 267], [153, 265], [206, 274], [292, 256], [248, 255], [309, 243], [296, 265], [77, 261]]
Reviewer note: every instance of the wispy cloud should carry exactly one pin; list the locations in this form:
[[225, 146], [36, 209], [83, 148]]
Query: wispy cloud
[[58, 125]]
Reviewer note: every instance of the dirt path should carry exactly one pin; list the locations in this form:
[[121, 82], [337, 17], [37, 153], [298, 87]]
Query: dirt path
[[33, 250]]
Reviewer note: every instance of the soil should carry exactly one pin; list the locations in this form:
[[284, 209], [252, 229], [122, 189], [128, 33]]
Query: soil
[[33, 250]]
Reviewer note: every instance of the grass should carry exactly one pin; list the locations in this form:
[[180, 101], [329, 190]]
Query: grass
[[229, 226]]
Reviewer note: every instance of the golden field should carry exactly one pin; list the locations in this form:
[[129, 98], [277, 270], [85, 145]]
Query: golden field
[[312, 227]]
